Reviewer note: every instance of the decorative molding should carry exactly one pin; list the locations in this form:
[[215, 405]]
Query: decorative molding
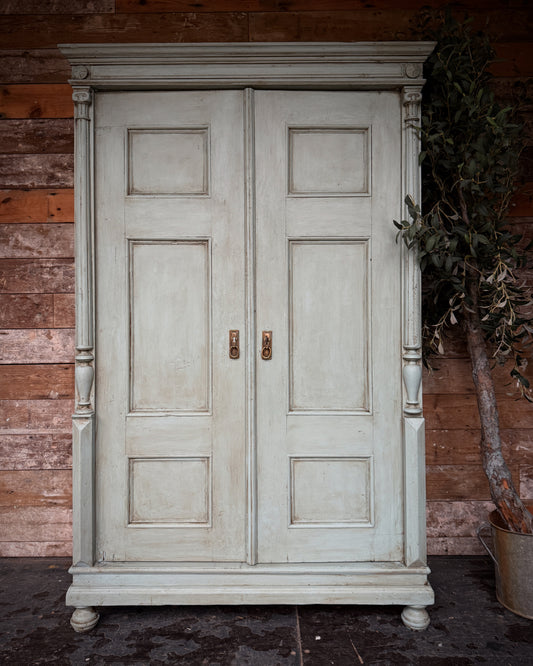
[[364, 65]]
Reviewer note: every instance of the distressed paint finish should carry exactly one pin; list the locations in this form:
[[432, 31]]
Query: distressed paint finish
[[149, 512]]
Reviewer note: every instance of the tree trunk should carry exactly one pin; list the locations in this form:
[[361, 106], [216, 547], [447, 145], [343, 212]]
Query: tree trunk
[[502, 490]]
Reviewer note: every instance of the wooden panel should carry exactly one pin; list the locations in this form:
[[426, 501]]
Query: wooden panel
[[459, 412], [40, 31], [36, 66], [460, 519], [35, 523], [26, 310], [459, 482], [526, 482], [36, 240], [147, 6], [37, 346], [36, 548], [36, 488], [38, 135], [35, 451], [454, 447], [64, 313], [329, 325], [451, 545], [513, 59], [20, 416], [36, 171], [36, 275], [455, 376], [56, 6], [170, 315], [30, 206], [185, 154], [160, 491], [36, 382], [371, 25], [36, 101]]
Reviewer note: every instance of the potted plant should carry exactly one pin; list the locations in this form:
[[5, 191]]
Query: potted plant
[[471, 260]]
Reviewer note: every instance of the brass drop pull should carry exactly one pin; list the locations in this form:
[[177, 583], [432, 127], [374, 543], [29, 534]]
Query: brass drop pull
[[234, 349], [266, 348]]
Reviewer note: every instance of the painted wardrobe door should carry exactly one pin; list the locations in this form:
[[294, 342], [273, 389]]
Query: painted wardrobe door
[[328, 287], [170, 255]]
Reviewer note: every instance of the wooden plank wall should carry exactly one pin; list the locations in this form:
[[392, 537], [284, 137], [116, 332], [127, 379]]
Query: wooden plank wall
[[36, 248]]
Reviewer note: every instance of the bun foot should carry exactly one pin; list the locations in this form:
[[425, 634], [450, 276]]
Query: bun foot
[[415, 617], [84, 619]]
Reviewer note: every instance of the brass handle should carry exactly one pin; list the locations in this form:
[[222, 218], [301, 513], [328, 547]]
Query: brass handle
[[234, 348], [266, 348]]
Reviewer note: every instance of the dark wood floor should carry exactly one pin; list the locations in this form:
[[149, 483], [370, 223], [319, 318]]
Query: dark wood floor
[[468, 627]]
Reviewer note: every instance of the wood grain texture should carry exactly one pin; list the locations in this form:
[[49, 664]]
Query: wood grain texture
[[38, 31], [370, 24], [54, 135], [36, 171], [459, 412], [458, 482], [36, 548], [35, 451], [29, 206], [20, 417], [36, 240], [36, 101], [148, 6], [57, 6], [26, 310], [455, 447], [35, 66], [458, 518], [451, 545], [37, 382], [526, 481], [64, 313], [36, 275], [513, 59], [37, 346], [522, 202], [35, 488], [35, 524]]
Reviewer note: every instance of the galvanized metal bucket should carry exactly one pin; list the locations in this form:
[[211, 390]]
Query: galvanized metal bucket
[[513, 564]]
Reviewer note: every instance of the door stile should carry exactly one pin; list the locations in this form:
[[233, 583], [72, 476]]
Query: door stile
[[250, 351]]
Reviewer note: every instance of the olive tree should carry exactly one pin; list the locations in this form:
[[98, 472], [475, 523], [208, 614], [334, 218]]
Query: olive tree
[[470, 258]]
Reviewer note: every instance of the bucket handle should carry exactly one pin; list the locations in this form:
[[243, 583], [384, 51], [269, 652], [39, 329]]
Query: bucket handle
[[482, 527]]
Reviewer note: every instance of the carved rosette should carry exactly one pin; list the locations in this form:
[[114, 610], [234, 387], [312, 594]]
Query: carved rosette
[[412, 350], [84, 372]]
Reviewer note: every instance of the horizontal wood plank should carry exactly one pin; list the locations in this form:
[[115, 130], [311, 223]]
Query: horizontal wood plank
[[39, 345], [38, 31], [522, 202], [460, 447], [21, 276], [454, 375], [149, 6], [22, 417], [526, 481], [26, 311], [36, 101], [57, 6], [30, 206], [36, 240], [371, 24], [36, 548], [36, 171], [36, 488], [37, 135], [35, 523], [33, 66], [35, 451], [37, 382], [459, 412], [513, 59], [455, 546], [456, 519], [458, 482], [64, 311]]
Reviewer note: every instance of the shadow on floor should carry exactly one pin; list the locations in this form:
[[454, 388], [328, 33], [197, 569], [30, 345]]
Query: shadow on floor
[[468, 626]]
